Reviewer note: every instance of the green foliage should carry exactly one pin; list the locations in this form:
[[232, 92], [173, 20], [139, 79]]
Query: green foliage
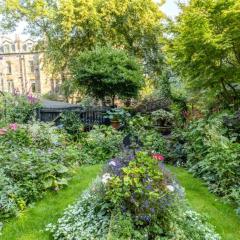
[[212, 156], [71, 27], [132, 202], [118, 114], [30, 224], [34, 158], [89, 218], [72, 124], [19, 109], [205, 49], [221, 215], [188, 224], [141, 126], [107, 72], [140, 189], [162, 117], [121, 227], [100, 144]]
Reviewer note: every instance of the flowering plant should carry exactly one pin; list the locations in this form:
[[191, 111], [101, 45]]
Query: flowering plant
[[158, 156], [141, 189], [32, 99], [13, 126]]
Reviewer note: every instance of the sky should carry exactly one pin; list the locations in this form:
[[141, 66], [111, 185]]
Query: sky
[[170, 8]]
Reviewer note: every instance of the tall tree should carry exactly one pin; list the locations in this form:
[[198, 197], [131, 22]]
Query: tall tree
[[205, 47], [70, 26]]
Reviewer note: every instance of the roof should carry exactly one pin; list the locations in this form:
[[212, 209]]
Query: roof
[[56, 104]]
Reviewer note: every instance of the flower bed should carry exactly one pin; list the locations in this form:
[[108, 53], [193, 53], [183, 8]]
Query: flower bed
[[136, 198]]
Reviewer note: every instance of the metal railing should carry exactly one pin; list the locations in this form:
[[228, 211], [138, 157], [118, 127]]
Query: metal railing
[[89, 116]]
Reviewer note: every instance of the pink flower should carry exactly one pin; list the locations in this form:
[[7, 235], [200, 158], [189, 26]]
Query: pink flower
[[158, 156], [13, 126], [32, 99]]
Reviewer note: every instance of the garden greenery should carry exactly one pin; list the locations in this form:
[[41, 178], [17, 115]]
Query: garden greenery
[[136, 198], [209, 152], [16, 108], [38, 157], [107, 72]]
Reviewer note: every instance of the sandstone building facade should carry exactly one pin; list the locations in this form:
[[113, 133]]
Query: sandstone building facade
[[22, 70]]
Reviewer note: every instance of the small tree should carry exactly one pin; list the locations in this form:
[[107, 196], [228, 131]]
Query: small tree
[[107, 72]]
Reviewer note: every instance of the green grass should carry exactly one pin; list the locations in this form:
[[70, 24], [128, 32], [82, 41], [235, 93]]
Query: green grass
[[31, 223], [219, 214]]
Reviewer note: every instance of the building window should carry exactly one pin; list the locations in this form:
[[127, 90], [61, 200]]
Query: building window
[[13, 48], [1, 50], [24, 47], [10, 85], [31, 64], [6, 48], [9, 68], [2, 83], [33, 87], [57, 87], [30, 45]]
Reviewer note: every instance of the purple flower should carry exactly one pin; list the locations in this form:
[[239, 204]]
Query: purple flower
[[32, 99]]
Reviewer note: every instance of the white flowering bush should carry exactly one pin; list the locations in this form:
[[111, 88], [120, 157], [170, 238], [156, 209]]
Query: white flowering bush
[[190, 225], [89, 218]]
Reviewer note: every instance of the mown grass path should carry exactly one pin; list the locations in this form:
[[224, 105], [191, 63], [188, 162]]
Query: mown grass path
[[219, 214], [31, 223]]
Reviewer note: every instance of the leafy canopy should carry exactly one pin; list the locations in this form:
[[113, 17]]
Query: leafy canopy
[[71, 26], [205, 48], [107, 72]]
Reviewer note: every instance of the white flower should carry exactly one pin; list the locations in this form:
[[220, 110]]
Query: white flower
[[112, 163], [170, 188], [106, 177]]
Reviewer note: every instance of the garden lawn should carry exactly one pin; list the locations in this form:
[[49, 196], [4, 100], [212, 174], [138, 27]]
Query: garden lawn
[[219, 214], [31, 223]]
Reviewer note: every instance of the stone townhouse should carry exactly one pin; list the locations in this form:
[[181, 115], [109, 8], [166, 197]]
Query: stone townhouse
[[22, 69]]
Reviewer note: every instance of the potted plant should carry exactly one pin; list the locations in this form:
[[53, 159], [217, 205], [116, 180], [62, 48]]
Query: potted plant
[[117, 117], [163, 120]]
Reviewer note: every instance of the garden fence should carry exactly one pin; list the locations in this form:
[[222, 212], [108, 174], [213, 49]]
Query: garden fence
[[89, 116]]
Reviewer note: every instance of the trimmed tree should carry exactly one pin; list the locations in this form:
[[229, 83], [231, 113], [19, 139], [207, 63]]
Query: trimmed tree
[[107, 72]]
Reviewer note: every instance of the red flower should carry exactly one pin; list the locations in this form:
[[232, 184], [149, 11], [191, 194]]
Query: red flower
[[158, 156]]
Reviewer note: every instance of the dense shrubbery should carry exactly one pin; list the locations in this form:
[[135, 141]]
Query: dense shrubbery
[[37, 157], [100, 144], [34, 158], [208, 150], [20, 109]]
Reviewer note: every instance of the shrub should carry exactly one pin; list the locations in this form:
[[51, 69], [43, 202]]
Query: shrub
[[162, 117], [100, 144], [134, 200], [20, 109], [212, 156], [144, 191], [89, 218], [72, 124], [107, 72], [34, 159]]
